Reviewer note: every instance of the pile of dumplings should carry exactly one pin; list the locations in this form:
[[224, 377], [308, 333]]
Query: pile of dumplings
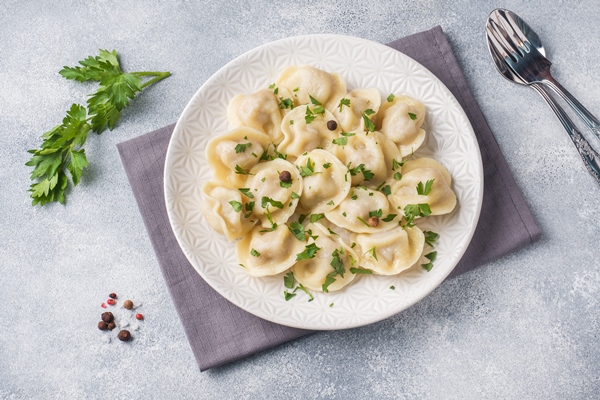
[[316, 181]]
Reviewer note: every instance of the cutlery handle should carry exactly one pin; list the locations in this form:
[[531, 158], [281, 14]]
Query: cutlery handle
[[590, 157], [592, 122]]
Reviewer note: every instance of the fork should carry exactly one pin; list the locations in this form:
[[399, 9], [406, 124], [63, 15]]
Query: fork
[[528, 66]]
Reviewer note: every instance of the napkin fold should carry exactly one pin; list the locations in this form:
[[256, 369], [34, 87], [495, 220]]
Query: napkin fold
[[220, 332]]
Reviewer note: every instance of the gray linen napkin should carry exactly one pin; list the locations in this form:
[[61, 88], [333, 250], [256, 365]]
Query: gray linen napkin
[[220, 332]]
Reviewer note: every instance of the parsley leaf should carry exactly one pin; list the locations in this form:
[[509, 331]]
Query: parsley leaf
[[375, 213], [248, 207], [326, 165], [237, 206], [286, 103], [287, 295], [305, 290], [373, 252], [297, 230], [340, 141], [432, 257], [329, 279], [309, 116], [308, 170], [269, 200], [319, 110], [246, 192], [254, 253], [363, 221], [309, 252], [361, 271], [295, 195], [412, 116], [314, 101], [424, 190], [411, 211], [369, 125], [397, 176], [344, 102], [396, 165], [367, 174], [387, 190], [430, 237], [286, 185], [241, 147], [337, 263], [240, 171], [390, 217], [316, 217], [288, 280], [390, 98], [270, 219]]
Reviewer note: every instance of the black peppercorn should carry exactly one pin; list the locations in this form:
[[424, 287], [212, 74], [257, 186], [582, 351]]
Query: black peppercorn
[[107, 317], [285, 176], [331, 125], [124, 335]]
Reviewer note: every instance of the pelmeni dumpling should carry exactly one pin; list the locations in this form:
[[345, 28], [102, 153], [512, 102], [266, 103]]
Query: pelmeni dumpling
[[350, 116], [313, 272], [306, 81], [264, 183], [224, 210], [268, 253], [374, 151], [242, 147], [260, 111], [441, 199], [326, 182], [401, 121], [301, 136], [360, 204], [425, 162], [391, 252]]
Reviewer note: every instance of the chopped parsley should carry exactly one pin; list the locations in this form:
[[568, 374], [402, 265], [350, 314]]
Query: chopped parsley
[[431, 257], [269, 200], [393, 287], [308, 170], [329, 279], [287, 295], [344, 213], [295, 195], [319, 110], [309, 252], [248, 207], [411, 211], [361, 271], [390, 98], [363, 221], [309, 116], [326, 165], [397, 176], [375, 213], [430, 237], [286, 103], [396, 165], [297, 230], [270, 219], [314, 101], [286, 185], [344, 102], [424, 190], [291, 122], [302, 218], [254, 253], [387, 190], [279, 155], [305, 290], [331, 232], [237, 206], [246, 192], [368, 123], [288, 280], [241, 147], [240, 171], [337, 263], [330, 203], [389, 218], [340, 141], [316, 217], [412, 116], [373, 252]]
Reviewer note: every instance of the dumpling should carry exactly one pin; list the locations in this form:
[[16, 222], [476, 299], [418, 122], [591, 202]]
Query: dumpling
[[374, 151], [393, 251], [440, 198], [361, 204], [425, 162], [233, 154], [225, 210], [260, 111], [271, 191], [332, 260], [350, 116], [306, 130], [268, 253], [325, 183], [401, 121], [306, 81]]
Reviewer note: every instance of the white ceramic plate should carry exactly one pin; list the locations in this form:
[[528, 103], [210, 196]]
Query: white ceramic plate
[[362, 63]]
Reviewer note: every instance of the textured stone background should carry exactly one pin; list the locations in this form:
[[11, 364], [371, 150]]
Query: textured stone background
[[524, 327]]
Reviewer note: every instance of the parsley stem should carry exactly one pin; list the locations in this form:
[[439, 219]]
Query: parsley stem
[[159, 76]]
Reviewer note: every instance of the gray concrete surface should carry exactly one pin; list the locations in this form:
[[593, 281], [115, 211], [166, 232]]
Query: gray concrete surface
[[524, 327]]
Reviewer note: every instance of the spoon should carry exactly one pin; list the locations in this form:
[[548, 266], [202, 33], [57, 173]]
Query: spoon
[[517, 58]]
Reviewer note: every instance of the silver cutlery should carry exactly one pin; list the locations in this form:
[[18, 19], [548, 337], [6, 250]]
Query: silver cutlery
[[519, 56]]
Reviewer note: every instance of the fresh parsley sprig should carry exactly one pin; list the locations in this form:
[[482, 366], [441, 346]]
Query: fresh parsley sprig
[[61, 149]]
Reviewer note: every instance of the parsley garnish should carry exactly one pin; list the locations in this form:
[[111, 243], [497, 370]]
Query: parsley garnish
[[240, 171], [254, 253], [337, 263], [412, 116], [331, 232], [344, 102], [270, 219], [368, 123], [288, 280], [330, 203], [291, 122], [375, 213], [326, 165], [286, 103], [302, 217], [340, 141], [297, 230], [308, 170], [269, 200], [241, 147], [329, 279], [361, 271], [286, 185], [363, 221], [411, 211], [246, 192], [367, 174], [305, 290], [314, 101], [61, 149], [390, 98], [430, 237], [424, 190], [387, 190], [295, 195], [431, 256], [309, 116], [373, 252], [344, 213], [237, 206], [331, 305], [316, 217], [248, 207], [287, 295], [397, 176], [390, 217], [319, 110], [396, 165], [309, 252], [265, 154], [393, 287]]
